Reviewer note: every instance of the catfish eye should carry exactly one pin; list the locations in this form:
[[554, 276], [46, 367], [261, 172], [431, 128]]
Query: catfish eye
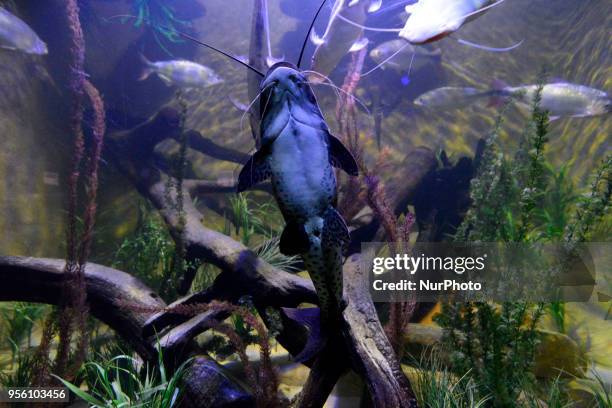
[[293, 78]]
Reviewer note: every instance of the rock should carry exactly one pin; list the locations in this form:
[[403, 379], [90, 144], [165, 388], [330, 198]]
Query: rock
[[556, 353], [216, 387]]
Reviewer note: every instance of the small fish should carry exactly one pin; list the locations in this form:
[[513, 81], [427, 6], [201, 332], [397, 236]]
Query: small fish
[[182, 73], [563, 99], [560, 99], [340, 38], [450, 97], [432, 20], [17, 35], [403, 56]]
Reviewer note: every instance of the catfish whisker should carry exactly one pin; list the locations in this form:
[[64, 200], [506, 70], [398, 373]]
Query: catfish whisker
[[325, 77], [249, 106], [356, 99], [389, 59]]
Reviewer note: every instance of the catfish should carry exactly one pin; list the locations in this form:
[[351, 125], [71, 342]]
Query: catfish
[[298, 154]]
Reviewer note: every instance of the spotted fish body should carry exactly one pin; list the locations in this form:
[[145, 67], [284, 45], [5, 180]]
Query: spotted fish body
[[181, 73], [17, 35], [298, 154]]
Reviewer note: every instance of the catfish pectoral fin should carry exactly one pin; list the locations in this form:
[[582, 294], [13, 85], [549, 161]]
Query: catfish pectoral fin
[[335, 231], [254, 171], [294, 240], [341, 157]]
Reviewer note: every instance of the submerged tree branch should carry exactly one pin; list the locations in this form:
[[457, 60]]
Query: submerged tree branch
[[109, 291]]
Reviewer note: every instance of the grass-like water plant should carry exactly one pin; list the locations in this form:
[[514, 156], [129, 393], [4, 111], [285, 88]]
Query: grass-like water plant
[[436, 386], [250, 217], [161, 17], [124, 381], [269, 251], [18, 320]]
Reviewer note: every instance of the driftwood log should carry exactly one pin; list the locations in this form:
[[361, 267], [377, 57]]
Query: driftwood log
[[108, 292]]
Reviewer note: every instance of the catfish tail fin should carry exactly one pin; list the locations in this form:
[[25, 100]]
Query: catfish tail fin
[[310, 319]]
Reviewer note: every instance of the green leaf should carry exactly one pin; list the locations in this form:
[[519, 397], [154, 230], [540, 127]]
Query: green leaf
[[81, 394]]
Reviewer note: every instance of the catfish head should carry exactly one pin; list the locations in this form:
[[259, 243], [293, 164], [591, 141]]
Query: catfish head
[[286, 93]]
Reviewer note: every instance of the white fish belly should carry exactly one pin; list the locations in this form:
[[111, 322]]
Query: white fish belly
[[302, 177]]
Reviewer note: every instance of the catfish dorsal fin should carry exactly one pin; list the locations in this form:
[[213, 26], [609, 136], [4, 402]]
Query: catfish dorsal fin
[[341, 157], [254, 171]]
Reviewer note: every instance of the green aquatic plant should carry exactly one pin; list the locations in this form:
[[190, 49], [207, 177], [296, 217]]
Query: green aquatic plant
[[175, 197], [601, 391], [491, 191], [436, 386], [496, 344], [18, 320], [160, 16], [518, 199], [23, 372], [250, 218], [269, 251], [124, 381], [556, 311], [557, 206], [552, 395], [593, 206], [146, 253]]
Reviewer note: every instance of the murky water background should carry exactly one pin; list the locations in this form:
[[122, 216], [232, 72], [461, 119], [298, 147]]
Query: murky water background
[[570, 37]]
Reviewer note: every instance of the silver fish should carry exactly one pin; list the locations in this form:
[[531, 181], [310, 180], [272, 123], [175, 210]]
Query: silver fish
[[449, 97], [401, 55], [563, 99], [182, 73], [17, 35], [298, 153], [560, 99], [340, 38]]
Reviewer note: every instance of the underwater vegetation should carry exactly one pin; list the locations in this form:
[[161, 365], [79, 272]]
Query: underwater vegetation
[[519, 200], [161, 17], [217, 297], [123, 380]]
